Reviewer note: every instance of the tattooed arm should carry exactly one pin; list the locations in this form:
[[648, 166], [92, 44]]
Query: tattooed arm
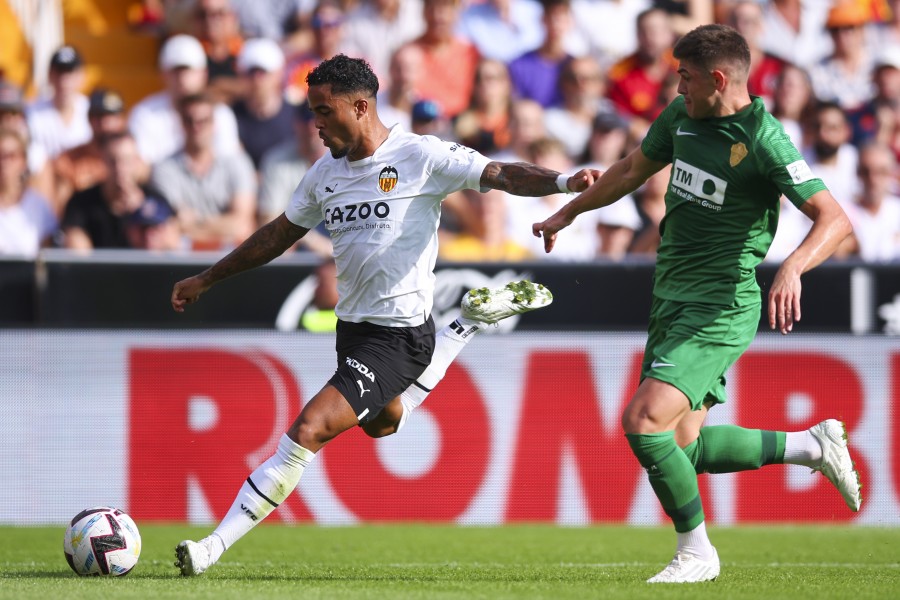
[[526, 179], [269, 242]]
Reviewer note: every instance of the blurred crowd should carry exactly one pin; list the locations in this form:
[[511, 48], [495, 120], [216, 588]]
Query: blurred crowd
[[219, 149]]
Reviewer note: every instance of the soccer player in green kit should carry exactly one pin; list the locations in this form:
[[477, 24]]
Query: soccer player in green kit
[[731, 162]]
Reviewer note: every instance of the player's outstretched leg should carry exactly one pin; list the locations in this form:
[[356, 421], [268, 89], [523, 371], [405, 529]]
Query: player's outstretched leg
[[488, 305], [266, 487], [480, 307], [836, 464]]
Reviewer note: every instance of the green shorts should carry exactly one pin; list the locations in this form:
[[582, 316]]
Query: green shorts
[[691, 345]]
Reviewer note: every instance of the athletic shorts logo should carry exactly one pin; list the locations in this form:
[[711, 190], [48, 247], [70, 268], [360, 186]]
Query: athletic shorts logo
[[363, 369], [387, 179], [362, 390], [696, 185], [658, 363]]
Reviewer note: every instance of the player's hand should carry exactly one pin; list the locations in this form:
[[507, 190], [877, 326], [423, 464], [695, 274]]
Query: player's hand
[[187, 291], [784, 301], [583, 179], [549, 228]]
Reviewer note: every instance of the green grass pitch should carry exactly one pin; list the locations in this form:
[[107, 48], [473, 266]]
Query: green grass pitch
[[443, 562]]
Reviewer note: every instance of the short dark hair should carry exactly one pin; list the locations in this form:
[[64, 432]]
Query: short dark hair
[[714, 47], [192, 99], [345, 75]]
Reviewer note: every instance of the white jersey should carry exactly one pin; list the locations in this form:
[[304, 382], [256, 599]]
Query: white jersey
[[53, 135], [157, 129], [383, 213]]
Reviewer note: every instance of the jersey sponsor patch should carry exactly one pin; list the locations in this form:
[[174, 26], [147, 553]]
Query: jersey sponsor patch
[[698, 183], [800, 172]]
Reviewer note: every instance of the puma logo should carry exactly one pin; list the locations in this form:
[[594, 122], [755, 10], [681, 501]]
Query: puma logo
[[362, 390]]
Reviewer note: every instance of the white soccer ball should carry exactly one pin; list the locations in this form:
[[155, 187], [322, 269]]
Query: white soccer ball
[[102, 541]]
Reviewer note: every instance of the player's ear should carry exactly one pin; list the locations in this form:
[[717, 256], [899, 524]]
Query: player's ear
[[720, 78], [361, 106]]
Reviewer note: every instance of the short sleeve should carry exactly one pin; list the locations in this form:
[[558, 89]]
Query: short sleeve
[[657, 145], [304, 209], [785, 166], [454, 167]]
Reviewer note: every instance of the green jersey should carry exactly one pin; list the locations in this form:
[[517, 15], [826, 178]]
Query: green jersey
[[723, 199]]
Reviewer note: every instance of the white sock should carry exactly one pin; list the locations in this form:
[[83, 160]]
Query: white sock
[[802, 448], [267, 487], [696, 542], [448, 343]]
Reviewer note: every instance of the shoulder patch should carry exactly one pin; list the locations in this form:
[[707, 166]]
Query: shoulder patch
[[800, 172]]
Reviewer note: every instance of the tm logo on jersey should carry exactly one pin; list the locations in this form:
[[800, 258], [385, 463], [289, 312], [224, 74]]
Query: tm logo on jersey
[[698, 186], [363, 369]]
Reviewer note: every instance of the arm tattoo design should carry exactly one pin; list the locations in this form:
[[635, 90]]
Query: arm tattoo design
[[268, 242], [521, 179]]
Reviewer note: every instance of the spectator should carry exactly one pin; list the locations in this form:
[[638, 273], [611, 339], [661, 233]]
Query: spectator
[[582, 87], [650, 201], [26, 220], [214, 194], [636, 82], [286, 164], [60, 122], [747, 17], [484, 125], [378, 28], [216, 26], [449, 62], [84, 166], [879, 118], [793, 102], [12, 116], [428, 119], [585, 242], [272, 19], [875, 212], [829, 153], [98, 216], [502, 29], [526, 125], [794, 31], [396, 102], [605, 29], [618, 222], [535, 74], [327, 26], [264, 118], [155, 122], [609, 140], [154, 226], [491, 242], [845, 77], [687, 14], [319, 316]]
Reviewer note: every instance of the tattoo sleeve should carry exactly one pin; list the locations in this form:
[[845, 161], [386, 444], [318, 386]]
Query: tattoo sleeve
[[521, 179], [268, 242]]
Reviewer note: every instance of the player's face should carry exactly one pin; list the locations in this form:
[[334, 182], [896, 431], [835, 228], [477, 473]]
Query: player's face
[[336, 118], [699, 90]]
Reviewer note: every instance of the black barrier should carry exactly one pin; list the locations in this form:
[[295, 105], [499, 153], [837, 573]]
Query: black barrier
[[131, 289]]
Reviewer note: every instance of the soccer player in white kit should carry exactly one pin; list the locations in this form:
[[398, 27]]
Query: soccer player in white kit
[[379, 193]]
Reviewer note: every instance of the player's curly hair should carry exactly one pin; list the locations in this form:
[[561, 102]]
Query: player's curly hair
[[714, 46], [345, 75]]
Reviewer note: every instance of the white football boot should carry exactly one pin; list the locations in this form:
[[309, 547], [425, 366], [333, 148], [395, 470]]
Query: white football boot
[[493, 305], [687, 568], [192, 558], [837, 465]]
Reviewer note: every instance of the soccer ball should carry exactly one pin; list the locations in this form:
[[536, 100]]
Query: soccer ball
[[102, 541]]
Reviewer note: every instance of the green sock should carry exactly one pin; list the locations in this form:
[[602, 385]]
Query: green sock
[[671, 476], [728, 449]]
